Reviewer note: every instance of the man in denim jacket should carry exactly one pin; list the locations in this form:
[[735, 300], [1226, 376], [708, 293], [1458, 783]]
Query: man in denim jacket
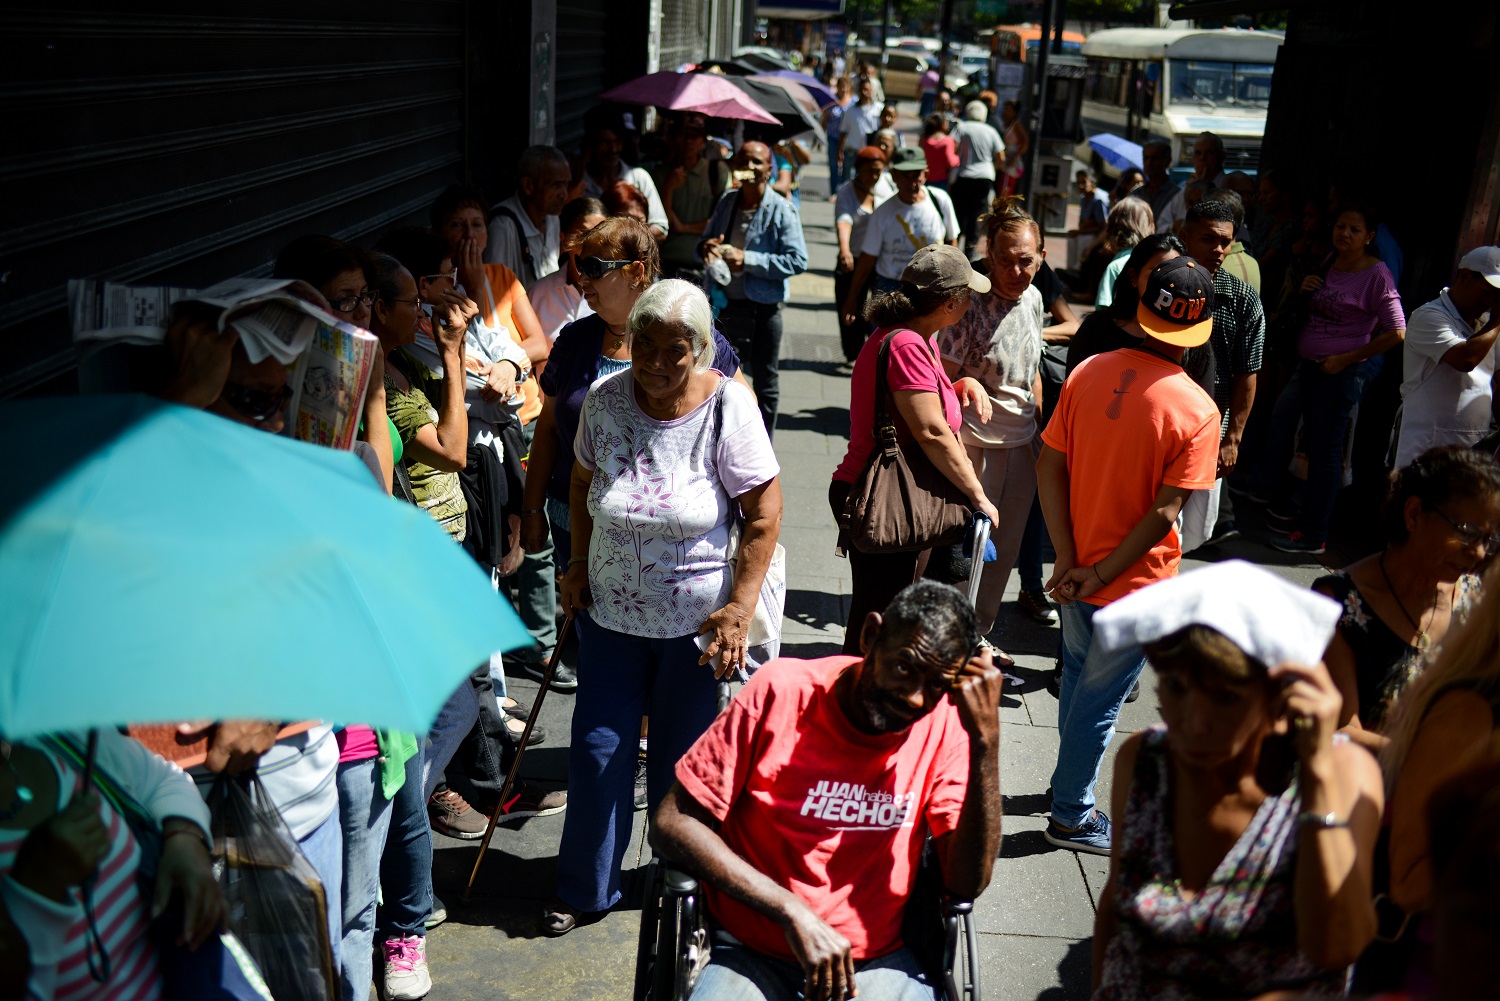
[[756, 236]]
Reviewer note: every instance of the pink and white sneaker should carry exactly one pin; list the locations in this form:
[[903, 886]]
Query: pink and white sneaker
[[405, 977]]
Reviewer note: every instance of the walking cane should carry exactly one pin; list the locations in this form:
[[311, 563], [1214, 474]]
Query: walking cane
[[515, 765]]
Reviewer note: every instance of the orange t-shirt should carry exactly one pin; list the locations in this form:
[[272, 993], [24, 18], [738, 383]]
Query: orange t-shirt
[[1130, 422], [495, 304]]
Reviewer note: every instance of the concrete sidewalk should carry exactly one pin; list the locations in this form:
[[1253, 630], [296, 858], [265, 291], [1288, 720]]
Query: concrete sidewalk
[[1036, 918]]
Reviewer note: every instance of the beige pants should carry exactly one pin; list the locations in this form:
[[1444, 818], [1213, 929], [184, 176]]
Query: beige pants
[[1008, 476]]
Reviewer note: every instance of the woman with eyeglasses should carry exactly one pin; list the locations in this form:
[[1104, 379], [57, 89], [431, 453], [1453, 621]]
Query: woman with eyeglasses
[[616, 262], [1441, 516], [341, 272]]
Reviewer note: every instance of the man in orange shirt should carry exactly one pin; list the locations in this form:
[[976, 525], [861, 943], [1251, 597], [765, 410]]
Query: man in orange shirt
[[1131, 437]]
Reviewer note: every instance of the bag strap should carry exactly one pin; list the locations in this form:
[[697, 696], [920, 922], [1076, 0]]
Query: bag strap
[[125, 804], [526, 257], [883, 414]]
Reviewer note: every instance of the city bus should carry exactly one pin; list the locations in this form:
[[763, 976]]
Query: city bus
[[1174, 83]]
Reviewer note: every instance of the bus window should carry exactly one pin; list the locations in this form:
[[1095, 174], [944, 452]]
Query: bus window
[[1107, 81], [1220, 83]]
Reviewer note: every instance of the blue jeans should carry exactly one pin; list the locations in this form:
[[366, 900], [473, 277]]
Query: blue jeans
[[620, 679], [324, 849], [453, 723], [1323, 404], [738, 973], [364, 818], [406, 863], [1094, 686], [1029, 559]]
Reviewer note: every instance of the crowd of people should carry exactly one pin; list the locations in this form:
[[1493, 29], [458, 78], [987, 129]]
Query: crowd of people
[[1317, 796]]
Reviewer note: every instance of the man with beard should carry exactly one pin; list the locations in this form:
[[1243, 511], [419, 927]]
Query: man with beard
[[804, 808]]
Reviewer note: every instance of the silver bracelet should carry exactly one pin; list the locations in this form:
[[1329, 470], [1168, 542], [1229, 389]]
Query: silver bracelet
[[1322, 821]]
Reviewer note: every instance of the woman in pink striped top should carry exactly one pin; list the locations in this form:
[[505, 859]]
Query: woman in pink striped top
[[1354, 315], [54, 834]]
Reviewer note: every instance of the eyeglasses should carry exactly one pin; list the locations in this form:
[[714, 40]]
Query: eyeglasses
[[348, 303], [257, 404], [415, 302], [450, 275], [1470, 535], [595, 268]]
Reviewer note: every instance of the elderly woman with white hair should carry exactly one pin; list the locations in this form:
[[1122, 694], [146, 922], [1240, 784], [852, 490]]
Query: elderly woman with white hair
[[669, 455]]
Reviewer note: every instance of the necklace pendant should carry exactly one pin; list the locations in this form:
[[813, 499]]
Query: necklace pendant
[[1423, 642]]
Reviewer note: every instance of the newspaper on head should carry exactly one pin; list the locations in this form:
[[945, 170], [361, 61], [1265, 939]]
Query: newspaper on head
[[328, 360]]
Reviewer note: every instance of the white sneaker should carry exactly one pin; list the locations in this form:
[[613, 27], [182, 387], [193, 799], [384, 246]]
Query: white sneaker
[[405, 977]]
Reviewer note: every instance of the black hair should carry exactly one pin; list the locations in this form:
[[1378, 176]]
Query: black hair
[[1435, 477], [453, 198], [892, 309], [318, 260], [933, 124], [944, 617], [420, 250], [1232, 199], [580, 208], [387, 276], [1209, 209], [1126, 298], [1364, 209]]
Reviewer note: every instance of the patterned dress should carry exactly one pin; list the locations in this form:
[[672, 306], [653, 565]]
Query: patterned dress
[[1384, 663], [1237, 937]]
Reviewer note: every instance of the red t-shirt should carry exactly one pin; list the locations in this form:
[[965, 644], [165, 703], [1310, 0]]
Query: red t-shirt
[[914, 365], [1130, 422], [826, 811]]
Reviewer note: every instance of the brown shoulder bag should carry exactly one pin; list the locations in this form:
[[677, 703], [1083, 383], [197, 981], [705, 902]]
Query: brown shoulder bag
[[901, 503]]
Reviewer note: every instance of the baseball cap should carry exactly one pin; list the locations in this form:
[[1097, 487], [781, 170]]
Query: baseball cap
[[909, 158], [870, 153], [941, 267], [1178, 304], [1484, 261]]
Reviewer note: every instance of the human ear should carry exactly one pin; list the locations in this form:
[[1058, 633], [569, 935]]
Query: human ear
[[869, 633]]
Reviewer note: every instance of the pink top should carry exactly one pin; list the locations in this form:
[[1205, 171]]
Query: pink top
[[357, 743], [942, 156], [1350, 309], [913, 366]]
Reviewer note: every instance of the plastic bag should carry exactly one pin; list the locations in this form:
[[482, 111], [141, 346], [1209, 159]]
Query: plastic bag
[[277, 904]]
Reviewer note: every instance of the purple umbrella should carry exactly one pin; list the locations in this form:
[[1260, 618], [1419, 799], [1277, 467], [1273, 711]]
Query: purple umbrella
[[820, 93], [706, 93]]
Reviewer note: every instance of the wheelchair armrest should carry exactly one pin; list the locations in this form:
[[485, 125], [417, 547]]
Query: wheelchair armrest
[[677, 882]]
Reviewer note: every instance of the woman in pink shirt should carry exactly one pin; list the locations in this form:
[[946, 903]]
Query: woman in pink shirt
[[941, 152], [926, 407], [1354, 316]]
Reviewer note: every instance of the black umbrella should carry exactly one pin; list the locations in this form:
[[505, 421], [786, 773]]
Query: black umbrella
[[730, 67], [794, 118]]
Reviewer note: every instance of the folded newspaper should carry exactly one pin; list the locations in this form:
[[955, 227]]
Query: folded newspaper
[[328, 360]]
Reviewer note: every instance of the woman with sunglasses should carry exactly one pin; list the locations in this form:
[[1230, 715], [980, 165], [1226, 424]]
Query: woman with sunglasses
[[616, 262], [1441, 516], [555, 297]]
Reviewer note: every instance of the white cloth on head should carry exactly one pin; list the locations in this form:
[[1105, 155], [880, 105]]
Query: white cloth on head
[[1272, 620]]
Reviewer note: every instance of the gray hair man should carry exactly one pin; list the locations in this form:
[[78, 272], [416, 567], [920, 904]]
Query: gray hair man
[[524, 229], [1208, 166]]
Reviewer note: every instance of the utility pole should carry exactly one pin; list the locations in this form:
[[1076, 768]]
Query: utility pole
[[945, 28], [1040, 107], [885, 33]]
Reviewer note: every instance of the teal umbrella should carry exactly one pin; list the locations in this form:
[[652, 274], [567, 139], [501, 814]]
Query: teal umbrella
[[159, 563]]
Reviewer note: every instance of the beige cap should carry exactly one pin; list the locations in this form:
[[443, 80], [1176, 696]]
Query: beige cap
[[939, 266]]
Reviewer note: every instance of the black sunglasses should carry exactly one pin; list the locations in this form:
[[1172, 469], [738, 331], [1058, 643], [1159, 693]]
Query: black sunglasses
[[595, 268], [257, 404], [1468, 534]]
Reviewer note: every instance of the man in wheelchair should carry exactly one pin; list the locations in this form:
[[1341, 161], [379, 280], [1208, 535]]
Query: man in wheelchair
[[805, 806]]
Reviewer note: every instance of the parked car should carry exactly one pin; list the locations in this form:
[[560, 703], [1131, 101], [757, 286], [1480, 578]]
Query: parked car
[[903, 71]]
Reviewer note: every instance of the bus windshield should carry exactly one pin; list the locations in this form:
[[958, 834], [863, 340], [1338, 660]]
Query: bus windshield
[[1215, 84]]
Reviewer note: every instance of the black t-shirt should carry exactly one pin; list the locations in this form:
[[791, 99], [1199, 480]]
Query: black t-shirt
[[1099, 333], [1051, 287]]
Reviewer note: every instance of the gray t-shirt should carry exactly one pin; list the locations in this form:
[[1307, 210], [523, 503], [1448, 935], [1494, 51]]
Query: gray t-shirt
[[999, 343], [978, 142]]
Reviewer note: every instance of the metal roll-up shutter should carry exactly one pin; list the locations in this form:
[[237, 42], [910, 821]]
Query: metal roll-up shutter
[[580, 65], [160, 143], [684, 32]]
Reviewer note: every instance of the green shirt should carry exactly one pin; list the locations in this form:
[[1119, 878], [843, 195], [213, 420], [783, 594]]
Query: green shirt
[[437, 492]]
